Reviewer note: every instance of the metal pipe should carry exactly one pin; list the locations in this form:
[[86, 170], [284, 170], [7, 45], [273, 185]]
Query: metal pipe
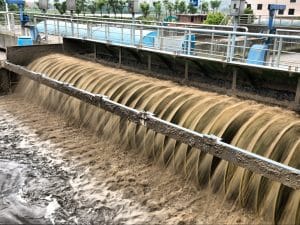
[[210, 144]]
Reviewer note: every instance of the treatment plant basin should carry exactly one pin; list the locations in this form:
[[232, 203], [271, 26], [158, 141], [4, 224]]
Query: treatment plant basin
[[93, 133]]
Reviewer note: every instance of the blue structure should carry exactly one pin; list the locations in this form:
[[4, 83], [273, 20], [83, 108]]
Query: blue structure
[[185, 45], [24, 19], [257, 54], [24, 41], [21, 4], [272, 10], [195, 3]]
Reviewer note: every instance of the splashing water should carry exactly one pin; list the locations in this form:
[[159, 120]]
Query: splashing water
[[267, 131]]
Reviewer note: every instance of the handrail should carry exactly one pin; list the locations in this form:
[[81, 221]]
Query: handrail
[[100, 19], [178, 28]]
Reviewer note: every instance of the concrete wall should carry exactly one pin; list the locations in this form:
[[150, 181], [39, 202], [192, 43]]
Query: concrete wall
[[7, 40]]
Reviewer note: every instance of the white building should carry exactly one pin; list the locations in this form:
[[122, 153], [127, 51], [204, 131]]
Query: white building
[[260, 7]]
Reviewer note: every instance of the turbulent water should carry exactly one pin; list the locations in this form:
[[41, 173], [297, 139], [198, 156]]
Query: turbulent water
[[267, 131], [39, 186], [53, 172]]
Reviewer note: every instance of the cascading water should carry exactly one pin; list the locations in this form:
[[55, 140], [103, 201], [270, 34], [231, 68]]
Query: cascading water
[[267, 131]]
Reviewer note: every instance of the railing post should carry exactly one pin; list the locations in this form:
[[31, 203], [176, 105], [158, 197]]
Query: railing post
[[58, 31], [72, 25], [54, 25], [279, 52], [160, 39], [244, 48], [34, 21], [122, 34], [7, 17], [131, 35], [77, 27], [6, 24], [66, 28], [141, 37], [106, 32], [46, 29], [12, 21], [189, 42], [274, 51], [228, 48], [212, 42], [89, 30]]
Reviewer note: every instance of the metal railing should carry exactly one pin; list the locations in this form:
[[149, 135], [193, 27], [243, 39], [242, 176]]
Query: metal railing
[[148, 22], [210, 43], [262, 20], [213, 44]]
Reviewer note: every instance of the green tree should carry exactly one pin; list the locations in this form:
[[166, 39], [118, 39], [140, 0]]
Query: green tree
[[145, 7], [248, 18], [170, 8], [100, 5], [108, 9], [122, 4], [92, 6], [60, 7], [166, 3], [2, 5], [191, 9], [113, 5], [214, 18], [215, 4], [157, 9], [182, 7], [80, 6], [248, 11], [204, 7], [176, 6], [13, 7]]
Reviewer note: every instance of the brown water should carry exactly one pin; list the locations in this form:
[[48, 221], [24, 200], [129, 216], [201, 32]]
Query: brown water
[[53, 172], [267, 131]]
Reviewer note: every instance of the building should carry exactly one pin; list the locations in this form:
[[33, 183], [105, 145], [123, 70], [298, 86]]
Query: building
[[191, 18], [260, 7]]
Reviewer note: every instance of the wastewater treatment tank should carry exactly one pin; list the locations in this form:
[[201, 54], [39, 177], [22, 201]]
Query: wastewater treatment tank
[[84, 123]]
